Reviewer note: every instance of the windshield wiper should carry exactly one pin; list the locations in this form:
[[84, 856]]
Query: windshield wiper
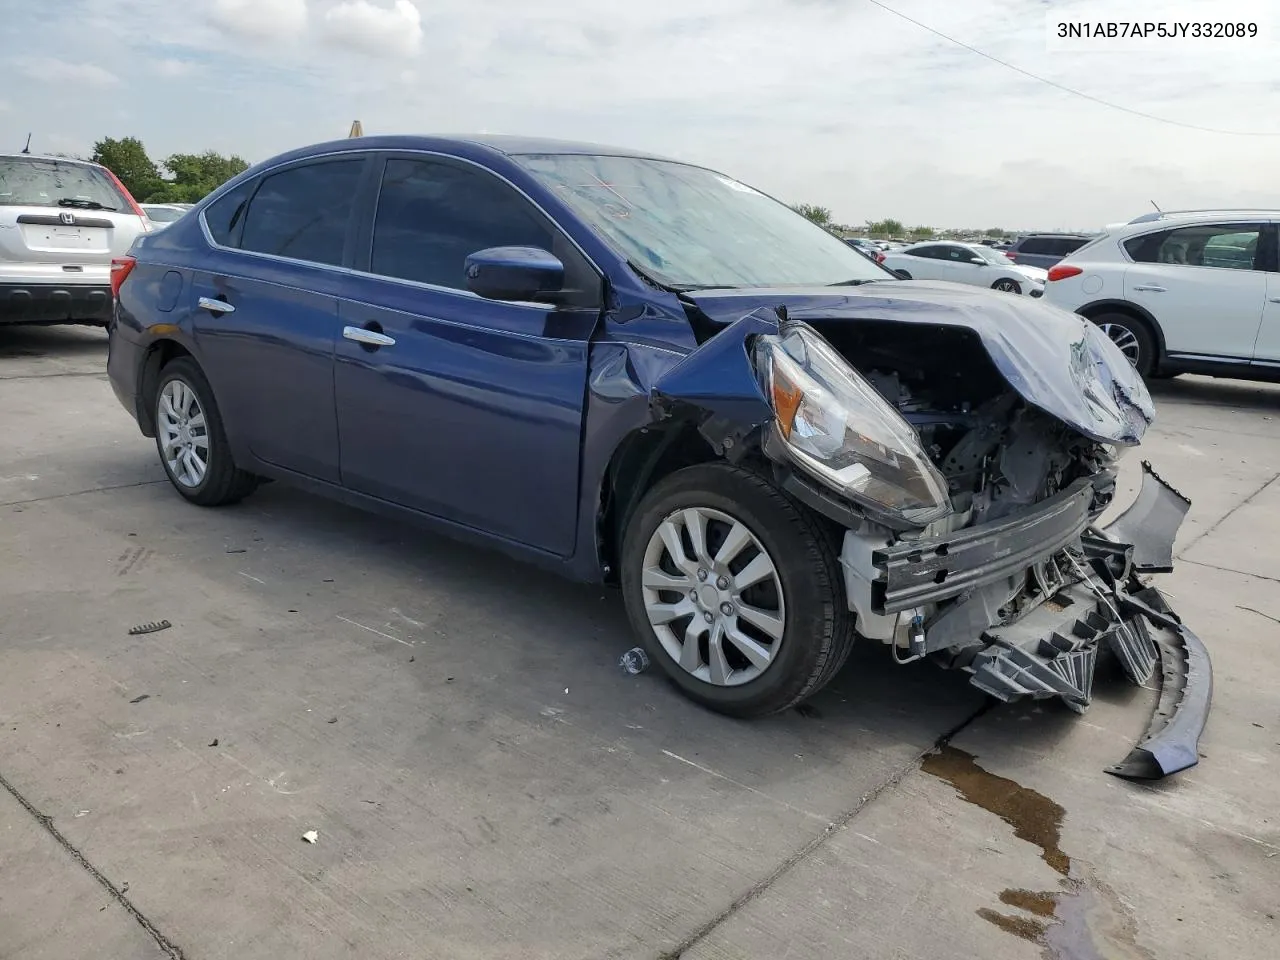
[[85, 204]]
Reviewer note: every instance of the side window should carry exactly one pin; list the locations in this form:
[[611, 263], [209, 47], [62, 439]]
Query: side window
[[1230, 246], [958, 254], [1069, 245], [432, 215], [303, 212], [225, 216], [929, 253], [1037, 246]]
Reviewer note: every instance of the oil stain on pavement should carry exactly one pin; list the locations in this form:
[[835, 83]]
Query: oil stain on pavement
[[1084, 919]]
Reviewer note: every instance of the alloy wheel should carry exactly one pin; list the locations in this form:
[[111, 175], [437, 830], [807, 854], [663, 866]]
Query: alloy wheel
[[713, 596], [184, 434], [1125, 339], [1007, 286]]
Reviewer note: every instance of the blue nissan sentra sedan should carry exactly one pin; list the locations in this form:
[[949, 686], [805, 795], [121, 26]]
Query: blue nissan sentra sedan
[[643, 372]]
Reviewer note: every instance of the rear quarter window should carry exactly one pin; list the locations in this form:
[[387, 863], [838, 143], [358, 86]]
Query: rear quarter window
[[225, 216]]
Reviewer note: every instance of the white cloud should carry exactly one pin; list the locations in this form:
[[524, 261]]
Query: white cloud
[[374, 29], [62, 72], [260, 19], [173, 68]]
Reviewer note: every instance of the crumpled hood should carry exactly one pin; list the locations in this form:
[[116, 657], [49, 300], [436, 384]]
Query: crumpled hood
[[1055, 360]]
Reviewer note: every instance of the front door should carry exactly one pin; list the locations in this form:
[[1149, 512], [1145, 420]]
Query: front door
[[265, 312], [464, 408], [1204, 284]]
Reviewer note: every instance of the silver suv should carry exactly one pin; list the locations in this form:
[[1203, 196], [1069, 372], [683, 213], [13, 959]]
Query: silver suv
[[61, 223]]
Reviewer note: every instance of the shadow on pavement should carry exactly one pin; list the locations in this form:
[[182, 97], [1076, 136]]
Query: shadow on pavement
[[23, 340], [1212, 391]]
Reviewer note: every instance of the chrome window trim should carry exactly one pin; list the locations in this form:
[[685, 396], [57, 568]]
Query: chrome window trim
[[415, 284]]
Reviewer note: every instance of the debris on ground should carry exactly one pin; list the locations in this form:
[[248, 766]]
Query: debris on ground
[[311, 836], [332, 720], [237, 550], [82, 813], [634, 661], [154, 627], [214, 742], [139, 699]]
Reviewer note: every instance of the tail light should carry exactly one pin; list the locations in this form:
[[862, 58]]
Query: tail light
[[1063, 272], [124, 192], [880, 257], [1011, 255], [121, 267]]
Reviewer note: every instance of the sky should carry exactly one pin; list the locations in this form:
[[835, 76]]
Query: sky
[[833, 102]]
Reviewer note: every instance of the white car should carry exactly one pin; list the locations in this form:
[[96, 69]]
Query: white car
[[61, 223], [163, 214], [1182, 292], [969, 263]]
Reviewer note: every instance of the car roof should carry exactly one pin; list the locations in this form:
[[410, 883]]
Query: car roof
[[1064, 236], [510, 145], [46, 157]]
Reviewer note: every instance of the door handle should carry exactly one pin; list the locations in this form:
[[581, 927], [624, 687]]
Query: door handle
[[368, 338], [1149, 288], [215, 306]]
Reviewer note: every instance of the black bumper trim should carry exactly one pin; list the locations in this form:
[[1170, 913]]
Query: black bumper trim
[[1172, 740], [54, 302], [938, 568]]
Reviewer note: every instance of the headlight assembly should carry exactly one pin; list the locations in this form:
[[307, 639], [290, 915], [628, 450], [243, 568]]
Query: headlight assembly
[[837, 428]]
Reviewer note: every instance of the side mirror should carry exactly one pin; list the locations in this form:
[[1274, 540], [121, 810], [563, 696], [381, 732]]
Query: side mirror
[[977, 261], [514, 273]]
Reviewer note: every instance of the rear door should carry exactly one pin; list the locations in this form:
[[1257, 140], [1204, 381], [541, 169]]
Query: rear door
[[265, 312], [1267, 347], [473, 411], [1204, 284], [61, 221], [925, 263]]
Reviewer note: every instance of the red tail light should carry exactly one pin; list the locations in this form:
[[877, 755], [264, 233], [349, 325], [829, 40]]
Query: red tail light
[[124, 191], [121, 267], [1011, 255], [1063, 271], [880, 257]]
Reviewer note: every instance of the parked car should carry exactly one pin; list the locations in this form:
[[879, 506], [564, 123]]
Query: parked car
[[163, 214], [1045, 249], [969, 263], [1183, 292], [61, 222], [677, 385]]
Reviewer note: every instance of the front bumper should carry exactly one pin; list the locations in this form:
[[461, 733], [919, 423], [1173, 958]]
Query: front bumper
[[1027, 604], [55, 303]]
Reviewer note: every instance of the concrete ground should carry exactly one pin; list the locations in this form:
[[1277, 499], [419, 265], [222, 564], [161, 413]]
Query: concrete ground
[[485, 782]]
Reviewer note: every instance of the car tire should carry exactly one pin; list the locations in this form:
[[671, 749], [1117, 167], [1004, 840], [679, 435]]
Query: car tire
[[902, 274], [188, 425], [1133, 337], [1005, 285], [805, 590]]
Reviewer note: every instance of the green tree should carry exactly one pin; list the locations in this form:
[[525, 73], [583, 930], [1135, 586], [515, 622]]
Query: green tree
[[194, 175], [128, 160], [922, 233], [819, 215], [885, 228]]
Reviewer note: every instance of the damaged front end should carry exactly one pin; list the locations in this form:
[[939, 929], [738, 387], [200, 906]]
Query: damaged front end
[[970, 469]]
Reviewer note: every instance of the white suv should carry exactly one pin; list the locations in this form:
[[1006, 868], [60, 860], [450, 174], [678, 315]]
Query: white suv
[[61, 223], [1182, 292]]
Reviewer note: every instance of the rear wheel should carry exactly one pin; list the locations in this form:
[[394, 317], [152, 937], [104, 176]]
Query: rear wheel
[[189, 435], [735, 591], [903, 274], [1005, 285], [1132, 337]]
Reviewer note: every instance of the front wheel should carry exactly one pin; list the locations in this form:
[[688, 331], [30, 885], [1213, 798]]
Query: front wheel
[[902, 274], [1005, 285], [735, 591]]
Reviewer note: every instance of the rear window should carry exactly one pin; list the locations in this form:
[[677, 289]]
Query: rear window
[[1036, 245], [41, 182]]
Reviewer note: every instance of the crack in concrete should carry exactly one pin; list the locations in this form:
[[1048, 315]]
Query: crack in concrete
[[830, 830], [79, 493], [1226, 516], [168, 946], [1243, 573]]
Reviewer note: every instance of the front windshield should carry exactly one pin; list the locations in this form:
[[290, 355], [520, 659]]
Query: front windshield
[[49, 182], [690, 228], [990, 255]]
